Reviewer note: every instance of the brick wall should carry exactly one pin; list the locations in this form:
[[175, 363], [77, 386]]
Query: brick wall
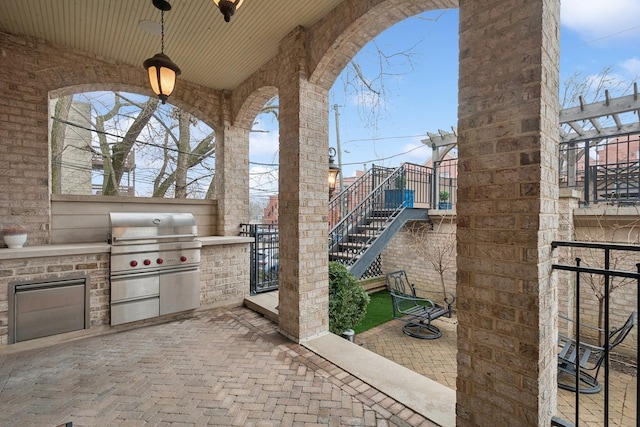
[[439, 242], [54, 268], [609, 224], [224, 275], [507, 212], [32, 71]]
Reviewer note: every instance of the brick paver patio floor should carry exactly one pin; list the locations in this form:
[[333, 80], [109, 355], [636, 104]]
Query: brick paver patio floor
[[234, 368], [436, 359], [228, 368]]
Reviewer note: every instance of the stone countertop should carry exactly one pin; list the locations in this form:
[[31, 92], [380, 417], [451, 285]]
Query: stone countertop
[[54, 250], [224, 240], [94, 248]]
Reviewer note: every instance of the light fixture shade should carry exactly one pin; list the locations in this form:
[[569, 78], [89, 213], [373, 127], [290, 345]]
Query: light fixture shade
[[333, 177], [162, 75], [228, 7]]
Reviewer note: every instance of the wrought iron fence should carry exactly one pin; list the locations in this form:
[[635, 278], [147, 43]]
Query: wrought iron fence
[[264, 256], [607, 273], [605, 171]]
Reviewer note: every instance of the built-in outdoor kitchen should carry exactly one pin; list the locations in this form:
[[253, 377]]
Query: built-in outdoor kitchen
[[149, 267], [154, 265]]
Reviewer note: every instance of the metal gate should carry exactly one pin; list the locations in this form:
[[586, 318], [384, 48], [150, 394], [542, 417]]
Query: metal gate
[[264, 256]]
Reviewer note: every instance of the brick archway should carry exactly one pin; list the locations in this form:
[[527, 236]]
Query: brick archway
[[207, 111], [346, 29], [252, 106]]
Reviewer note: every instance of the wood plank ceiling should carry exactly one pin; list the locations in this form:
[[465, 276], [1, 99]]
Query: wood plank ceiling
[[209, 51]]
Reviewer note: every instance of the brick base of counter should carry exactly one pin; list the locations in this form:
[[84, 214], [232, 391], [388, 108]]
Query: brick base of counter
[[224, 277]]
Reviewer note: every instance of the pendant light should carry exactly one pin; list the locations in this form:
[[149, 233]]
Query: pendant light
[[162, 71], [228, 7]]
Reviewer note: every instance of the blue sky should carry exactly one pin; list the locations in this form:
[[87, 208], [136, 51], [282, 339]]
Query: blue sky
[[594, 35]]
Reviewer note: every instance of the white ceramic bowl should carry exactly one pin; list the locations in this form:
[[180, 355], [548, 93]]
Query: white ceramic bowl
[[15, 241]]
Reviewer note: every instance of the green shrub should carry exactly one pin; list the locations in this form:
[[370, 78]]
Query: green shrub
[[347, 299]]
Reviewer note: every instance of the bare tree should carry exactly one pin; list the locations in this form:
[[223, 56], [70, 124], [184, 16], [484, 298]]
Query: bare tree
[[115, 155], [372, 88], [440, 252], [162, 137], [606, 227], [579, 89]]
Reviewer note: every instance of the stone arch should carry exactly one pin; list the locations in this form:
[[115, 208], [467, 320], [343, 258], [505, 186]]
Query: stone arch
[[83, 70], [337, 38], [331, 44], [195, 110], [252, 105]]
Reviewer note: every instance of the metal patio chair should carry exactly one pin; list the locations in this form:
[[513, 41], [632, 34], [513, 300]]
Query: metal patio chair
[[587, 357], [415, 311]]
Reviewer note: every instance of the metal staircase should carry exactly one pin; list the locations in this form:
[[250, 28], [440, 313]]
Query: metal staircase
[[377, 205]]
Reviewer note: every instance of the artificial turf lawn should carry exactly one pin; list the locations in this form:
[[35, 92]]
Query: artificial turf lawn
[[379, 311]]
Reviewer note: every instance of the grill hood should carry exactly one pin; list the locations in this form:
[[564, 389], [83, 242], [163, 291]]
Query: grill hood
[[148, 227]]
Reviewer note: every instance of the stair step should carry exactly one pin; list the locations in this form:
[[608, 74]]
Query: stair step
[[341, 255], [354, 245], [369, 227], [359, 235]]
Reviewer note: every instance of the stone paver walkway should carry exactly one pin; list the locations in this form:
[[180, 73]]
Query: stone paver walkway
[[233, 368], [436, 359], [228, 368]]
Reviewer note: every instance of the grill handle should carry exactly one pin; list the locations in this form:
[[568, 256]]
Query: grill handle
[[161, 237]]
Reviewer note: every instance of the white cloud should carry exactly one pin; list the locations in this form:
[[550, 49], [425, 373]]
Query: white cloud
[[264, 143], [595, 19], [416, 152], [631, 66]]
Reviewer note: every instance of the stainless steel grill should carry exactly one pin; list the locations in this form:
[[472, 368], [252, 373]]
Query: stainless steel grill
[[155, 265]]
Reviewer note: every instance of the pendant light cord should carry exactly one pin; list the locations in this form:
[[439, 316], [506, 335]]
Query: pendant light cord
[[162, 32]]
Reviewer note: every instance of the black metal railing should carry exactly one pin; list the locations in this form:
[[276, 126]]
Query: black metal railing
[[447, 184], [348, 198], [607, 274], [605, 171], [264, 257]]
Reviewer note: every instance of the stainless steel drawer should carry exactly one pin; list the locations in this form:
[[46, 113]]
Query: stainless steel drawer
[[131, 311]]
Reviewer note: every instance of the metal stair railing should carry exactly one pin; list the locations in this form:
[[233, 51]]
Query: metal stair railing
[[351, 196], [355, 232]]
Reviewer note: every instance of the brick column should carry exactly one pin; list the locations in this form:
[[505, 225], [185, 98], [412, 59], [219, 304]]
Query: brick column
[[507, 212], [232, 176], [304, 196]]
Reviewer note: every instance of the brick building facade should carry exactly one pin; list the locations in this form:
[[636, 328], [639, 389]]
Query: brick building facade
[[507, 195]]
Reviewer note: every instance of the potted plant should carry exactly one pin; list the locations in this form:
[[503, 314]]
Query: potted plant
[[444, 200], [14, 236], [400, 195], [347, 301]]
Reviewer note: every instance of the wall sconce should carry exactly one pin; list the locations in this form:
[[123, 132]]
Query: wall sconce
[[333, 171], [162, 71], [228, 7]]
